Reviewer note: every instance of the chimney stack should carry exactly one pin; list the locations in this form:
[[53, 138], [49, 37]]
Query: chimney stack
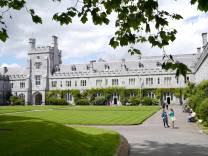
[[32, 43], [204, 39], [55, 41], [5, 70], [199, 50]]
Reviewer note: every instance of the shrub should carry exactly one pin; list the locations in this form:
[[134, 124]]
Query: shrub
[[82, 102], [147, 101], [16, 100], [155, 101], [203, 111], [100, 101], [55, 101], [134, 101], [194, 101]]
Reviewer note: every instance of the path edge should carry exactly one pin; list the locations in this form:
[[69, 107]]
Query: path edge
[[123, 148]]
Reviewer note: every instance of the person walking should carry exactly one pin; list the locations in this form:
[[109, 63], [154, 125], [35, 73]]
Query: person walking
[[165, 118], [163, 104], [166, 105], [172, 117]]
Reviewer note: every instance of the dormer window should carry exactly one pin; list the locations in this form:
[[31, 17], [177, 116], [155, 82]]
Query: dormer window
[[88, 67], [107, 67], [141, 65], [158, 64], [73, 68]]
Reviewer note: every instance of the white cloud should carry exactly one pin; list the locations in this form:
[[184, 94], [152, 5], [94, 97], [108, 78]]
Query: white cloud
[[82, 42]]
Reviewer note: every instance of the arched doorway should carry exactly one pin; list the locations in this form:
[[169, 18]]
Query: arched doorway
[[115, 101], [168, 100], [38, 99]]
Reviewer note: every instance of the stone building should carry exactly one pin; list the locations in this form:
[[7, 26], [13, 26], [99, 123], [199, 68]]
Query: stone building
[[45, 72]]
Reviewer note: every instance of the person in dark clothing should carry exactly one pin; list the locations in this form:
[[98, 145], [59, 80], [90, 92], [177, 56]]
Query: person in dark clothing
[[165, 118], [166, 104], [163, 105]]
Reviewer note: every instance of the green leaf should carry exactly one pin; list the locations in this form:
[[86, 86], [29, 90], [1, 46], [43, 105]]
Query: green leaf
[[3, 35], [114, 43], [84, 18]]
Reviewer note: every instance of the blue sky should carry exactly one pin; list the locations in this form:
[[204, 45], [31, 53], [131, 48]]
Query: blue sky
[[82, 43]]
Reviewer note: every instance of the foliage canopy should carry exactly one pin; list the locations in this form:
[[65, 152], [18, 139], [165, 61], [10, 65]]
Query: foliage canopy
[[137, 21]]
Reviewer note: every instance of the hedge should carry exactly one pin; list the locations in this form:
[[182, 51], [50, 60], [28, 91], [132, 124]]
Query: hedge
[[55, 101]]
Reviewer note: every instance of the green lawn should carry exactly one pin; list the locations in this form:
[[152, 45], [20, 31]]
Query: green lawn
[[24, 136], [43, 133], [96, 115], [11, 109]]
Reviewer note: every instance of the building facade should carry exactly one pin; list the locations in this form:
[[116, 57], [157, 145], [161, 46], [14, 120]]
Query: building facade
[[45, 72]]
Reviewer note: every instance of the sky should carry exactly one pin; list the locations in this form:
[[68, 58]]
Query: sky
[[81, 43]]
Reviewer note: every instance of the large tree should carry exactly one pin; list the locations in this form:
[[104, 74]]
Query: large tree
[[137, 21]]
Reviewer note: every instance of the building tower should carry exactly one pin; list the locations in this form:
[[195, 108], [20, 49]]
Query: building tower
[[42, 61]]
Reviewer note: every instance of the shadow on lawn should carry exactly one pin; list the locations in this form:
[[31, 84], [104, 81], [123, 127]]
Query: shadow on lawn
[[150, 148], [34, 137]]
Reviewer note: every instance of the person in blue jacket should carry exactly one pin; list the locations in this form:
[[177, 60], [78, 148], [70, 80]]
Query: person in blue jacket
[[165, 118]]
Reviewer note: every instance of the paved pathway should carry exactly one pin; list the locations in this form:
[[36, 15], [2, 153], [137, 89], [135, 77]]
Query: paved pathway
[[151, 139]]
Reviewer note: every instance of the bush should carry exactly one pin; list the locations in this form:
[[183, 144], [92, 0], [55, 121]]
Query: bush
[[82, 102], [16, 100], [134, 101], [147, 101], [203, 111], [155, 101], [55, 101], [194, 101], [100, 101]]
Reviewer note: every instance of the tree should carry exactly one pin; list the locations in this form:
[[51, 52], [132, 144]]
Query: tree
[[137, 21]]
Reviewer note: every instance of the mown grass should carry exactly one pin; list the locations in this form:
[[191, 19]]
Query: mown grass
[[11, 109], [94, 115], [43, 132], [24, 136]]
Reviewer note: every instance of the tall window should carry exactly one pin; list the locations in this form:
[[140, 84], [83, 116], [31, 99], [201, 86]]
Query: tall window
[[167, 80], [75, 83], [68, 83], [61, 84], [37, 80], [114, 82], [98, 94], [37, 65], [98, 83], [132, 94], [149, 81], [177, 80], [83, 83], [22, 85], [68, 97], [12, 85], [158, 80], [106, 82], [22, 96], [132, 81], [54, 83], [186, 79]]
